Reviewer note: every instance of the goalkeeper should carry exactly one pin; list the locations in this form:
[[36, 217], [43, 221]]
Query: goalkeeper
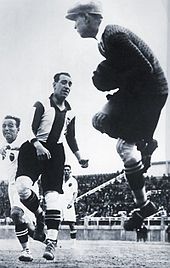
[[132, 113]]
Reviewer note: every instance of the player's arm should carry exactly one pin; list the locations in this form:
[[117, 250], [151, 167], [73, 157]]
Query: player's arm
[[72, 143], [3, 151], [72, 200], [42, 152]]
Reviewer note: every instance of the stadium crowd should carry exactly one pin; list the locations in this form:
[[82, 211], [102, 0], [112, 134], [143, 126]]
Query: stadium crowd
[[109, 200], [4, 200], [115, 197]]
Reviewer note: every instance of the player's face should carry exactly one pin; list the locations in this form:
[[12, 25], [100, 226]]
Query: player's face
[[81, 26], [9, 130], [62, 87], [67, 172], [86, 26]]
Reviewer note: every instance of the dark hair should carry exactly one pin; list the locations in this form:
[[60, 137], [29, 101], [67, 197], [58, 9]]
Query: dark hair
[[67, 166], [17, 120], [57, 76]]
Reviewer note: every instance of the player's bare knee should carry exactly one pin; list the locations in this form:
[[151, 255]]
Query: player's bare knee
[[52, 200], [17, 215], [23, 188], [128, 152]]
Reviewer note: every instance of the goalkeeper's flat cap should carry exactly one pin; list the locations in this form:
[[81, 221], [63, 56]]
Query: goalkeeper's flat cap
[[83, 7]]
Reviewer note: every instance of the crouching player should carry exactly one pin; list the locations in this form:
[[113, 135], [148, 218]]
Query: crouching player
[[23, 219]]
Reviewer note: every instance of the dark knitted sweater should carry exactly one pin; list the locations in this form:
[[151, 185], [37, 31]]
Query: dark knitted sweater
[[134, 66]]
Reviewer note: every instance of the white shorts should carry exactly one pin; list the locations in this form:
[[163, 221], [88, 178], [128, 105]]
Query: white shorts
[[68, 214]]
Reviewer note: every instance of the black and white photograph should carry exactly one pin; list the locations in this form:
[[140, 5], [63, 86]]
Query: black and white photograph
[[84, 139]]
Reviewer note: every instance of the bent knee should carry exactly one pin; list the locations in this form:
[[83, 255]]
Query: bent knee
[[23, 185], [128, 152], [17, 215], [52, 200]]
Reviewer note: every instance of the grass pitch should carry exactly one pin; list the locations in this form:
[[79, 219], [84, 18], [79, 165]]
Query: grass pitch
[[89, 254]]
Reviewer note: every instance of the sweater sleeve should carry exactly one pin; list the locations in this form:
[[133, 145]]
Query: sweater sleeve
[[70, 136], [124, 52], [39, 110]]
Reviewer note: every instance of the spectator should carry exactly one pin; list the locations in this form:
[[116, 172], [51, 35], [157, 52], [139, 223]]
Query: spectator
[[168, 232]]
